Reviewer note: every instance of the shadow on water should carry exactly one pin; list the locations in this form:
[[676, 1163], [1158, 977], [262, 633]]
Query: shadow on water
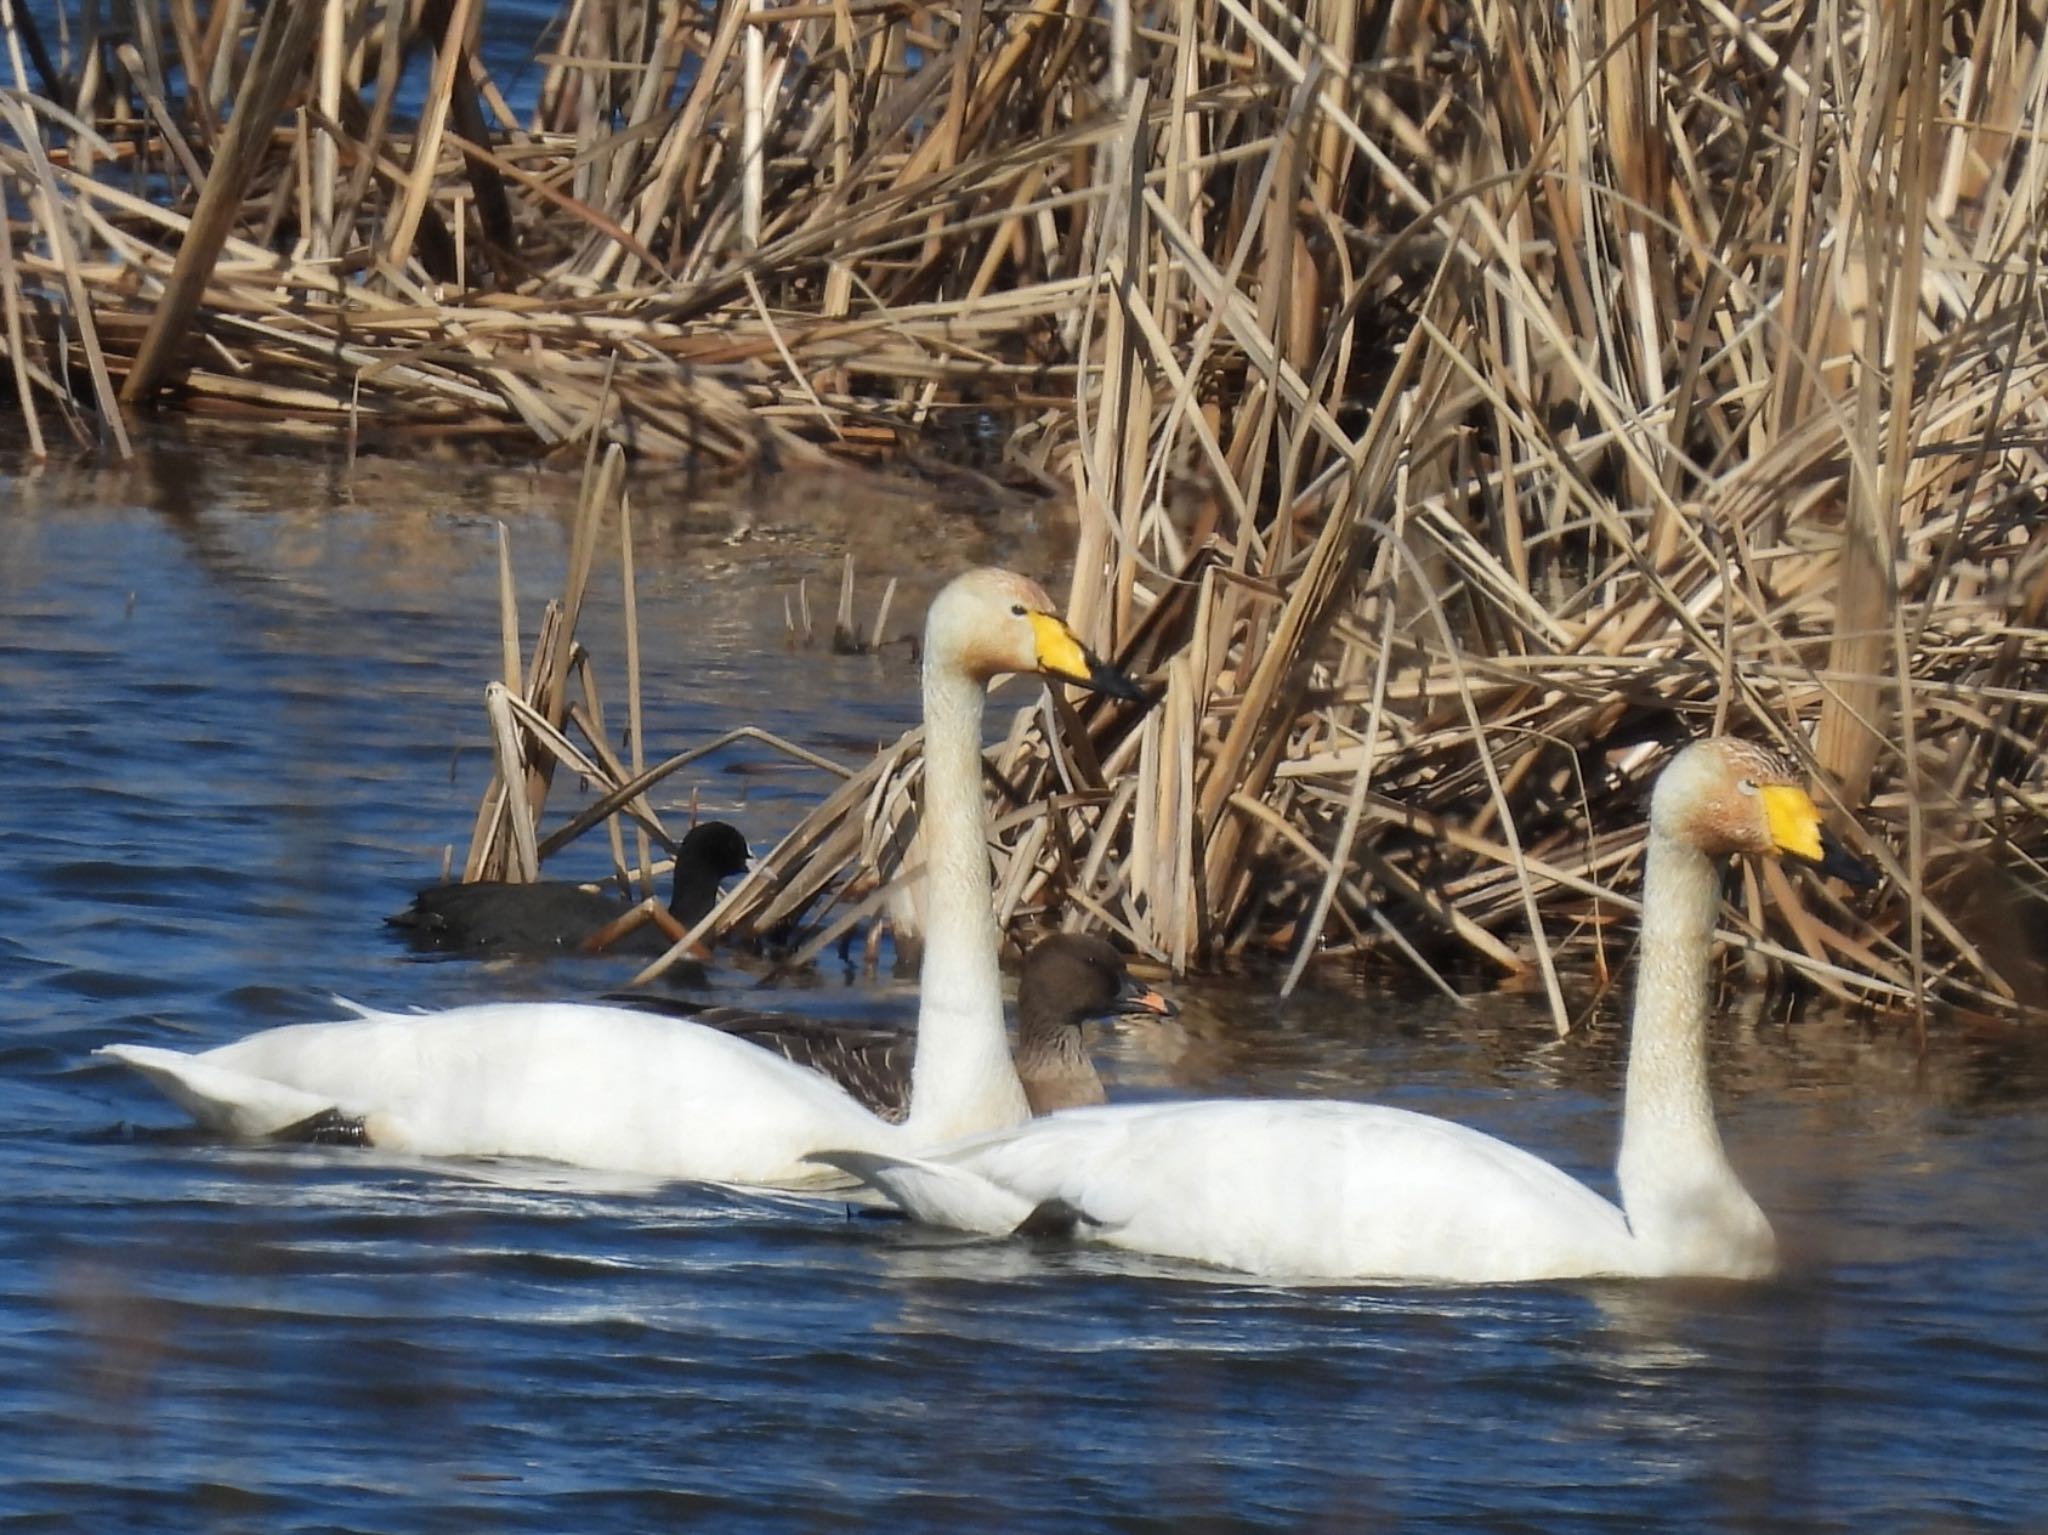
[[242, 697]]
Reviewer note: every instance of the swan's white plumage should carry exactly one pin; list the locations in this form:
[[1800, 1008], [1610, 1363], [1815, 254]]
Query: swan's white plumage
[[611, 1088], [567, 1082], [223, 1099], [1291, 1190], [1355, 1191], [935, 1192]]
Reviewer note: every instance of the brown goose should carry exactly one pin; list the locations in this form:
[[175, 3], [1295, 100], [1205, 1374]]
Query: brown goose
[[1067, 979], [558, 916]]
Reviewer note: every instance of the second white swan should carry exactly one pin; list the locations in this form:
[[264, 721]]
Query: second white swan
[[1304, 1191]]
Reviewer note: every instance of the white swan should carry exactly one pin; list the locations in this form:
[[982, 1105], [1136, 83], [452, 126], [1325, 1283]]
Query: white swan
[[1353, 1191], [607, 1087]]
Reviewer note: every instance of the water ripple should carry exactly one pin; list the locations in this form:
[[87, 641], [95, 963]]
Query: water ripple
[[230, 747]]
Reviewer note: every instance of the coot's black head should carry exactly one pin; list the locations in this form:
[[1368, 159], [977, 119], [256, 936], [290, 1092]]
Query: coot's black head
[[714, 847]]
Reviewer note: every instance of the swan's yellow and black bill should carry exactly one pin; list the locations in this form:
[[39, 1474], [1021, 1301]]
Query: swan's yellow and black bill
[[1061, 655], [1138, 997], [1840, 863], [1797, 831], [1794, 820]]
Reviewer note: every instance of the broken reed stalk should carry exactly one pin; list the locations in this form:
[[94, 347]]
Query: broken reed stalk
[[554, 723], [1674, 421]]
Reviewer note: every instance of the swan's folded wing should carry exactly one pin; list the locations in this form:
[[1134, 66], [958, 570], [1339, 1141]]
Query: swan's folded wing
[[1302, 1190], [222, 1099], [591, 1086]]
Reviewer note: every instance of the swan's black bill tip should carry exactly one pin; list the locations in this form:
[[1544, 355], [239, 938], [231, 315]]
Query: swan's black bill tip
[[1112, 681], [1837, 862]]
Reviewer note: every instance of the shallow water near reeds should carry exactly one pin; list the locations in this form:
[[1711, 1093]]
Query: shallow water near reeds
[[241, 720]]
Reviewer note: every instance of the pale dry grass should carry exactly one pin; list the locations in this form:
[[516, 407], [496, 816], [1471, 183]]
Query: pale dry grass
[[1461, 401]]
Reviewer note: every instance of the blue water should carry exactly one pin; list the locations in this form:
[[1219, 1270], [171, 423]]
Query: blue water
[[241, 719]]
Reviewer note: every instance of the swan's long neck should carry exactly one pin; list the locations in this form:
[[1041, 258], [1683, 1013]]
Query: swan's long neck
[[1685, 1205], [962, 1081]]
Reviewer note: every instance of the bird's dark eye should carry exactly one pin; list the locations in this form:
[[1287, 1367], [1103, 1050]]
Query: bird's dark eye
[[1747, 786], [1017, 608]]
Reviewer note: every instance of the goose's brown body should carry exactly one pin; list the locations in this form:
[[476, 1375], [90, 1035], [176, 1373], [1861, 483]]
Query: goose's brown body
[[1067, 980]]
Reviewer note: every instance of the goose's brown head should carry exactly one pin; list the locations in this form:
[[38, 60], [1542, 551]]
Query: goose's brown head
[[1073, 976]]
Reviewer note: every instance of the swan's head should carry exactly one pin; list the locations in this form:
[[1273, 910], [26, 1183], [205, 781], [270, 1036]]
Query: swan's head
[[989, 622], [1726, 796]]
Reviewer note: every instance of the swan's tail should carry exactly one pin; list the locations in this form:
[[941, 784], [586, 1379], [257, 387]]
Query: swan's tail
[[935, 1193], [223, 1100]]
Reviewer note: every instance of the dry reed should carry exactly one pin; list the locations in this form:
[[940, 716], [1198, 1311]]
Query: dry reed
[[1552, 383]]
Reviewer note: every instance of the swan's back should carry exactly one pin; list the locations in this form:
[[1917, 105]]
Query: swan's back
[[1310, 1190], [572, 1082]]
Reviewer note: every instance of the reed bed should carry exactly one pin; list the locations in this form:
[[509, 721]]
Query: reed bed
[[1460, 401]]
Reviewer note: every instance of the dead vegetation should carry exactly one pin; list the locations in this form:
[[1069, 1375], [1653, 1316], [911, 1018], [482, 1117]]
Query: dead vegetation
[[1554, 382]]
